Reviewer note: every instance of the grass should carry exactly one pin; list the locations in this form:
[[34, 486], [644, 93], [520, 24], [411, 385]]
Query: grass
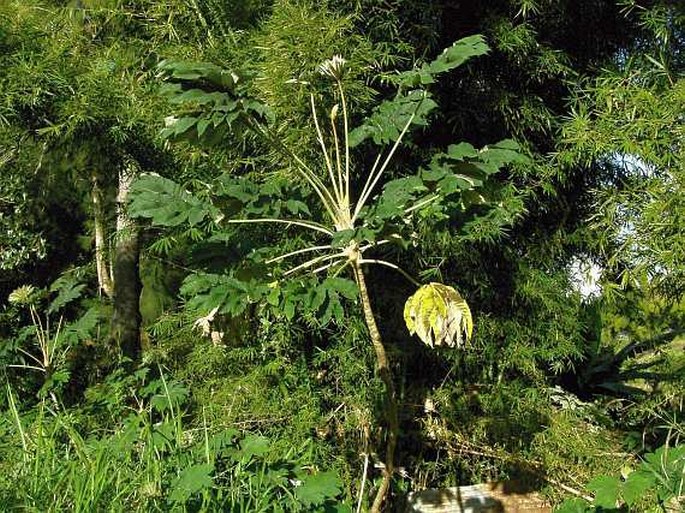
[[149, 460]]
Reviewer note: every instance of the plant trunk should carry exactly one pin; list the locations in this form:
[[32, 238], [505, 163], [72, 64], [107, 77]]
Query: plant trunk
[[126, 318], [103, 272], [386, 376]]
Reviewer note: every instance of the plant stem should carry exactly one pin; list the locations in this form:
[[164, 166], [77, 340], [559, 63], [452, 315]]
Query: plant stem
[[392, 266], [305, 224], [366, 193], [347, 142], [103, 273], [324, 150], [386, 376]]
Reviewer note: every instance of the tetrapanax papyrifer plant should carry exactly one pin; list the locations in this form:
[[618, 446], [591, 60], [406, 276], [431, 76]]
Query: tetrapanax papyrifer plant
[[352, 219]]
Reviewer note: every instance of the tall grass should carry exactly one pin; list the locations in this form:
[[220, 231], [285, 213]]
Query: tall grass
[[148, 460]]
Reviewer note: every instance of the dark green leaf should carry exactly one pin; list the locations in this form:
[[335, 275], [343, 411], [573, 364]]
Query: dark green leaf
[[316, 489], [573, 506], [390, 117], [83, 327], [192, 480], [68, 292], [347, 288], [181, 125], [450, 58], [166, 203]]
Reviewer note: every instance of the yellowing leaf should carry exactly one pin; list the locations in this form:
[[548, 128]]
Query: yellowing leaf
[[439, 316], [23, 295]]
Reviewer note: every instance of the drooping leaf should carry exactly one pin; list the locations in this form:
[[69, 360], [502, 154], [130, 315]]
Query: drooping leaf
[[397, 195], [83, 327], [347, 288], [199, 71], [210, 102], [206, 291], [67, 290], [439, 316], [23, 295]]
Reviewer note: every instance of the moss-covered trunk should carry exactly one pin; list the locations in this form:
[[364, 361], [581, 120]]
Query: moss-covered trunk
[[126, 319]]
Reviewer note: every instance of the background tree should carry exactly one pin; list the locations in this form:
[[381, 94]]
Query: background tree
[[77, 86]]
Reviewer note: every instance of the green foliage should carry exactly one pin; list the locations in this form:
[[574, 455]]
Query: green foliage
[[412, 107], [460, 169], [285, 53], [150, 460], [388, 120], [287, 356], [627, 121], [166, 202], [656, 483], [224, 294], [44, 345], [450, 58], [316, 489], [210, 100]]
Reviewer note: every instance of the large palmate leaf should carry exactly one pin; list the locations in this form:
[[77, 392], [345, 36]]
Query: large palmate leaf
[[439, 316], [68, 290], [166, 203], [388, 120], [452, 57], [462, 167], [452, 179], [322, 299], [210, 102], [317, 488], [199, 72], [191, 481], [84, 327], [206, 291]]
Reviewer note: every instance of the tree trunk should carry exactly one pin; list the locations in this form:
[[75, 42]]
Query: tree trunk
[[104, 276], [385, 374], [126, 319]]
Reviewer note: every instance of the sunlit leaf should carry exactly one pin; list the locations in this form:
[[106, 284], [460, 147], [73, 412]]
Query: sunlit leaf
[[452, 57], [438, 315], [317, 488], [22, 295], [606, 491]]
